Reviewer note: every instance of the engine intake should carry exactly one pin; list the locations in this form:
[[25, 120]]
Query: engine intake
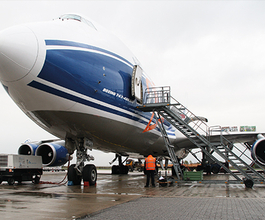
[[27, 149], [258, 151], [53, 154]]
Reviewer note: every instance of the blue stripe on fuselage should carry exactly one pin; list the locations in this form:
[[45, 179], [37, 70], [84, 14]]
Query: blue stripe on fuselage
[[89, 73], [85, 46], [65, 95]]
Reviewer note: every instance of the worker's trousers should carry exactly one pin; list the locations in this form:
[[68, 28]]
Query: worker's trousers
[[150, 173]]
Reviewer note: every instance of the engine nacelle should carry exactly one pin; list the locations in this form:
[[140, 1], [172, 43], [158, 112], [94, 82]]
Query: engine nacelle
[[258, 151], [53, 154], [27, 149]]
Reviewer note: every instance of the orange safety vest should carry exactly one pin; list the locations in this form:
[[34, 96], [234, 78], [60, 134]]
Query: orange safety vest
[[150, 163]]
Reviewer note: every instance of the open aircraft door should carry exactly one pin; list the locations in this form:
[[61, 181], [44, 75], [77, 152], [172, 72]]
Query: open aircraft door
[[137, 88]]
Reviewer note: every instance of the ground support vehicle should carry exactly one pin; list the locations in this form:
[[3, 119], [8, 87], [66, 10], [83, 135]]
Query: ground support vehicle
[[134, 165], [20, 168]]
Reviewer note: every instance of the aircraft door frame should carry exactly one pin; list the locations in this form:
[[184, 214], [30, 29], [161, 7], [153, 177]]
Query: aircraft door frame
[[137, 87]]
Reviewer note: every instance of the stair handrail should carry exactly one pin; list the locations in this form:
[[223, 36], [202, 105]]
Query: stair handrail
[[162, 95], [157, 95], [242, 152], [190, 117]]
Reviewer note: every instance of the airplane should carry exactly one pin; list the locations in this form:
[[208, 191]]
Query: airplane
[[80, 83]]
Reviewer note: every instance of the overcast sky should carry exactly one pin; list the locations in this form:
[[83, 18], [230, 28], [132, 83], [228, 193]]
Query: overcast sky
[[211, 53]]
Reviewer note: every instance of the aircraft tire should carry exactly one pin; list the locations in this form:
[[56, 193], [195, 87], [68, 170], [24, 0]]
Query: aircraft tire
[[90, 174], [72, 175], [124, 170], [115, 169]]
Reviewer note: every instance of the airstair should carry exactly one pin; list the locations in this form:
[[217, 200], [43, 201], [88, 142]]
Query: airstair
[[159, 101]]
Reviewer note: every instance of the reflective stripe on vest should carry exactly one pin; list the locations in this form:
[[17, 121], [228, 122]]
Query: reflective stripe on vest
[[150, 163]]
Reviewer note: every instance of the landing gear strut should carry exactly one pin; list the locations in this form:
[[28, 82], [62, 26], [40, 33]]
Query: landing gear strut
[[80, 171], [119, 169]]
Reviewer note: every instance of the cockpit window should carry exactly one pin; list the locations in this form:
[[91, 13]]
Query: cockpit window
[[70, 17], [76, 18]]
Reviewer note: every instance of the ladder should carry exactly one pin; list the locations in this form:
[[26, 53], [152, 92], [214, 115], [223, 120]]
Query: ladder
[[170, 148], [158, 101]]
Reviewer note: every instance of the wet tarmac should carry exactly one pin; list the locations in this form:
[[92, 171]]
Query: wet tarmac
[[112, 192]]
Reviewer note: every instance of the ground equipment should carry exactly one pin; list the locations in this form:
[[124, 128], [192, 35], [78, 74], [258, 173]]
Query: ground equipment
[[20, 168]]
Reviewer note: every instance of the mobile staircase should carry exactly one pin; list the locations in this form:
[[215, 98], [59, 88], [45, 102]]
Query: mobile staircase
[[158, 100]]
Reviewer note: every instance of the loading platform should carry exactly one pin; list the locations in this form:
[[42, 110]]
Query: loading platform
[[159, 101]]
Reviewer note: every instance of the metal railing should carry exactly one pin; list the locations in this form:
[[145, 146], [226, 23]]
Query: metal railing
[[155, 95], [162, 95]]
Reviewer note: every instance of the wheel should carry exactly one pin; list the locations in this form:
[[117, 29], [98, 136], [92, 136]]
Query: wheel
[[163, 182], [72, 175], [115, 169], [215, 169], [11, 181], [248, 183], [90, 174], [124, 170], [36, 180]]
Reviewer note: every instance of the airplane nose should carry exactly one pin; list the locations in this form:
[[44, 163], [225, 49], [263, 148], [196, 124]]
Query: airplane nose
[[18, 53]]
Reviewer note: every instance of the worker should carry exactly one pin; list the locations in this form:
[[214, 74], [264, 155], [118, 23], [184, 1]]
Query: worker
[[150, 165]]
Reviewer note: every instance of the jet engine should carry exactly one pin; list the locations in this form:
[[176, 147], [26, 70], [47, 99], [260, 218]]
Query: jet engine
[[52, 153], [258, 151], [27, 149]]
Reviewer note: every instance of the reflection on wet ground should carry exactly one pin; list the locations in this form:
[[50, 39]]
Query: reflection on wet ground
[[47, 201]]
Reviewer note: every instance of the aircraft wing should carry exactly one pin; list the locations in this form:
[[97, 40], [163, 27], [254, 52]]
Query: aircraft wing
[[249, 138]]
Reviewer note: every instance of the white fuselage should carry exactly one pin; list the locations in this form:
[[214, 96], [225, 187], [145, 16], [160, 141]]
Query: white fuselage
[[73, 78]]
